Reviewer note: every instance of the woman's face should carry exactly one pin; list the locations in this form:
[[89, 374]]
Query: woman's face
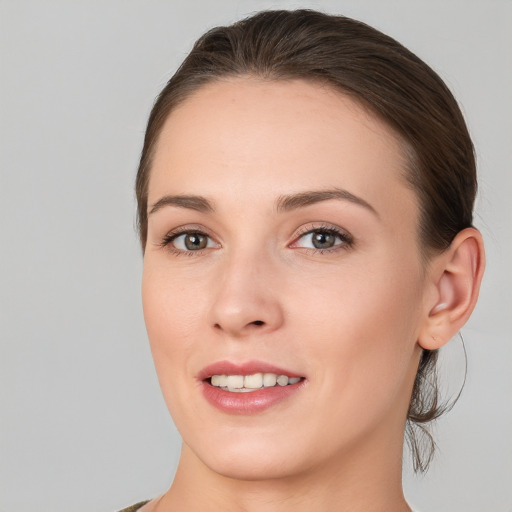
[[282, 240]]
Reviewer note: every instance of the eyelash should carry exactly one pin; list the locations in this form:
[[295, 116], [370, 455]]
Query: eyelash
[[347, 240], [173, 235]]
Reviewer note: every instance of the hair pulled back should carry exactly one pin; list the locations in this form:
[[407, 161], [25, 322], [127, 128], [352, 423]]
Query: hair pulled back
[[386, 78]]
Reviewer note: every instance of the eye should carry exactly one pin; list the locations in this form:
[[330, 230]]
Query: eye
[[191, 242], [323, 239], [188, 241]]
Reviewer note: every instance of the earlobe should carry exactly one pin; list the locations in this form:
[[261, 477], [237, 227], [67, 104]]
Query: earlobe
[[455, 277]]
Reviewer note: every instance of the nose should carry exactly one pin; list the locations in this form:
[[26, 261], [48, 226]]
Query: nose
[[246, 298]]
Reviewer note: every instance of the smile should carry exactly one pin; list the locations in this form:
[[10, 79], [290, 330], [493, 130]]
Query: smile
[[251, 383], [248, 388]]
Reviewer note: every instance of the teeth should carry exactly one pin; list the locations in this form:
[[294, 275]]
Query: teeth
[[253, 381], [235, 382], [282, 380], [269, 380], [219, 380], [248, 383]]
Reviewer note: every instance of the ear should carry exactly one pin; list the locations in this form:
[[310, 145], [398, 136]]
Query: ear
[[455, 276]]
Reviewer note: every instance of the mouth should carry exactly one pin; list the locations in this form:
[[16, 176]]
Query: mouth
[[251, 383], [248, 388]]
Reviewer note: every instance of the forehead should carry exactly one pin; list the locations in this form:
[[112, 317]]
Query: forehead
[[244, 135]]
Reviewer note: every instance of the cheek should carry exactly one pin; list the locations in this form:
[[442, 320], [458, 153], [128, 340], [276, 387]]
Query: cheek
[[360, 298], [361, 327], [359, 334], [172, 310], [171, 304]]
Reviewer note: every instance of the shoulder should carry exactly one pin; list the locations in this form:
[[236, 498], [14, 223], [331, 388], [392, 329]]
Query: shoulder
[[135, 507]]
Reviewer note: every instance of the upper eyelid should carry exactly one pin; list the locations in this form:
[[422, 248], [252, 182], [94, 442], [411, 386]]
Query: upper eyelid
[[322, 227], [177, 233], [188, 228]]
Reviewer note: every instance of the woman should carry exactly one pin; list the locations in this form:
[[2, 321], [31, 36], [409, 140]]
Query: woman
[[305, 198]]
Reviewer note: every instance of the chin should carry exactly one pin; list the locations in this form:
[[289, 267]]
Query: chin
[[252, 470], [251, 461]]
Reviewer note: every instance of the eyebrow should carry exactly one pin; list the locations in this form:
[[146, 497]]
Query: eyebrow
[[284, 203], [302, 199], [198, 203]]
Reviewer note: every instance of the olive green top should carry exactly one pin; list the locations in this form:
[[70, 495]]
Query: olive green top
[[135, 507]]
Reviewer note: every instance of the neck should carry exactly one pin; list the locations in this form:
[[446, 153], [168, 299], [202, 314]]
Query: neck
[[364, 480]]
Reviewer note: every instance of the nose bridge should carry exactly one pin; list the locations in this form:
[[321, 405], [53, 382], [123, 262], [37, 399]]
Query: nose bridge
[[246, 294]]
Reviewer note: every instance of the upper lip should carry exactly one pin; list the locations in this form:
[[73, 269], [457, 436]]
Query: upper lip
[[246, 368]]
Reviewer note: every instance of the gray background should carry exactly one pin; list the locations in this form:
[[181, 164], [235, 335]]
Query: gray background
[[82, 424]]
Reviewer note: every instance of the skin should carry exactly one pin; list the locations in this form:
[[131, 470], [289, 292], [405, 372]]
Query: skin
[[350, 319]]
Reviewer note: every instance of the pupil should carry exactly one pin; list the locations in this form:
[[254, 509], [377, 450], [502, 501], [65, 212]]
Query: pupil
[[195, 241], [323, 240]]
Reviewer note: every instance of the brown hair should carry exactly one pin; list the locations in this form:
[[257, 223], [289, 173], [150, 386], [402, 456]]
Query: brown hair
[[391, 82]]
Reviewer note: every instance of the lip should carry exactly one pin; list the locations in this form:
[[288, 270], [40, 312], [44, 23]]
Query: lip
[[247, 403], [247, 368]]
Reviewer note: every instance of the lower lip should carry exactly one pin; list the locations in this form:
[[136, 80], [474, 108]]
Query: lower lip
[[252, 402]]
